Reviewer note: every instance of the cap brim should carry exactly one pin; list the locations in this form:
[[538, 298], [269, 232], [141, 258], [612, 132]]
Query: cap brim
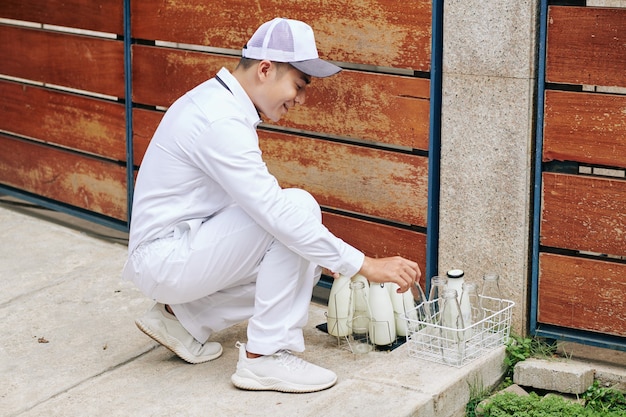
[[316, 67]]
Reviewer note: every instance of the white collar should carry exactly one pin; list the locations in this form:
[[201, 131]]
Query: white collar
[[241, 96]]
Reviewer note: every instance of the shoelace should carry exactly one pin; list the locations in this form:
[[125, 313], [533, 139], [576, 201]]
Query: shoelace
[[289, 360]]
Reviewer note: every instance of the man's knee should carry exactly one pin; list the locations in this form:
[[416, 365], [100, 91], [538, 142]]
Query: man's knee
[[304, 199]]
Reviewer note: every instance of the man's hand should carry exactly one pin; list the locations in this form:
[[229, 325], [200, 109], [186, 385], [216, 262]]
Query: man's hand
[[394, 269]]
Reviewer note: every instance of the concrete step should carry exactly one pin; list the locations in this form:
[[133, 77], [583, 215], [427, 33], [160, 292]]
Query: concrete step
[[569, 377], [575, 372]]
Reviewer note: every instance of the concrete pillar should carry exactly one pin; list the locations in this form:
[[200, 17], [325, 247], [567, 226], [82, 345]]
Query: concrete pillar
[[489, 79]]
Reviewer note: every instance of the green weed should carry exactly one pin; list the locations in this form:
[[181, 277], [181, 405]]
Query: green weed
[[512, 405], [478, 392], [599, 398], [520, 348]]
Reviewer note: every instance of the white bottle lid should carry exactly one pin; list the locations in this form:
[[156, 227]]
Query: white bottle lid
[[455, 273]]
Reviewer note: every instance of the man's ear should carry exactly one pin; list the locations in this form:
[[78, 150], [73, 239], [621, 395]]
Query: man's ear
[[264, 69]]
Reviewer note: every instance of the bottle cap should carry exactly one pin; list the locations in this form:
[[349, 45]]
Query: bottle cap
[[455, 273]]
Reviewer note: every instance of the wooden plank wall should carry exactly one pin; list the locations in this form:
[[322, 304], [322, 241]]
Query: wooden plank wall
[[582, 268], [64, 145], [373, 196], [360, 144]]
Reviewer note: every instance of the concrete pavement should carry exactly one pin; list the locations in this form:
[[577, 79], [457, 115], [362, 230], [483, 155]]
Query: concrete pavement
[[69, 346]]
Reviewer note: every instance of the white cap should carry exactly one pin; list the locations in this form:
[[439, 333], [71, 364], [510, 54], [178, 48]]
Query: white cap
[[291, 41]]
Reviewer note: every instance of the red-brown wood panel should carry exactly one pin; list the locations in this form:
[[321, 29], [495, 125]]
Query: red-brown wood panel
[[586, 45], [161, 75], [392, 33], [80, 181], [378, 240], [585, 127], [379, 183], [381, 108], [98, 15], [582, 294], [145, 123], [82, 62], [584, 213], [375, 182], [86, 124]]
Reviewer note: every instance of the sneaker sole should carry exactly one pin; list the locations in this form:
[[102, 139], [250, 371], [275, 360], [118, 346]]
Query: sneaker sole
[[254, 383], [175, 346]]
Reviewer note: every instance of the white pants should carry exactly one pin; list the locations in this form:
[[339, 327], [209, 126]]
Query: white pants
[[229, 271]]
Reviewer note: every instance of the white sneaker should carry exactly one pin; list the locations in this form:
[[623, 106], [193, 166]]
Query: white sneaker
[[165, 328], [281, 371]]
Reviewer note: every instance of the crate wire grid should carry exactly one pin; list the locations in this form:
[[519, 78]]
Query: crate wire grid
[[456, 347]]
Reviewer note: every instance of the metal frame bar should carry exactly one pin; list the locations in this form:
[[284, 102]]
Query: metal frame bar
[[541, 86], [128, 103], [434, 146], [64, 208]]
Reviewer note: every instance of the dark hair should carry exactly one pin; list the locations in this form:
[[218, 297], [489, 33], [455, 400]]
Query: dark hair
[[246, 63]]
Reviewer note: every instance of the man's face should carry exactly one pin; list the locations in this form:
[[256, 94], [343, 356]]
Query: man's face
[[284, 87]]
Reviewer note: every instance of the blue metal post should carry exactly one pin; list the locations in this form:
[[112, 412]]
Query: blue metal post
[[434, 146], [128, 100], [541, 81]]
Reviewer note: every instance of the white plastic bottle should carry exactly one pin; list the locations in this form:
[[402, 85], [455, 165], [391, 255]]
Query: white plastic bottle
[[397, 301], [339, 307], [382, 326]]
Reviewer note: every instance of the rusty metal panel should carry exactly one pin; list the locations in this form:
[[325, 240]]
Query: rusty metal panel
[[145, 123], [80, 181], [378, 240], [161, 75], [585, 127], [100, 15], [586, 45], [75, 61], [85, 124], [375, 182], [584, 213], [392, 33], [582, 294], [382, 108], [388, 109]]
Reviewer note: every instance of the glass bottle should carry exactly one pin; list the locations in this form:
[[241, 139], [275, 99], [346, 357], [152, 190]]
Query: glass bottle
[[360, 308], [452, 341], [490, 296], [491, 303], [359, 337], [470, 308], [437, 285], [415, 307]]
